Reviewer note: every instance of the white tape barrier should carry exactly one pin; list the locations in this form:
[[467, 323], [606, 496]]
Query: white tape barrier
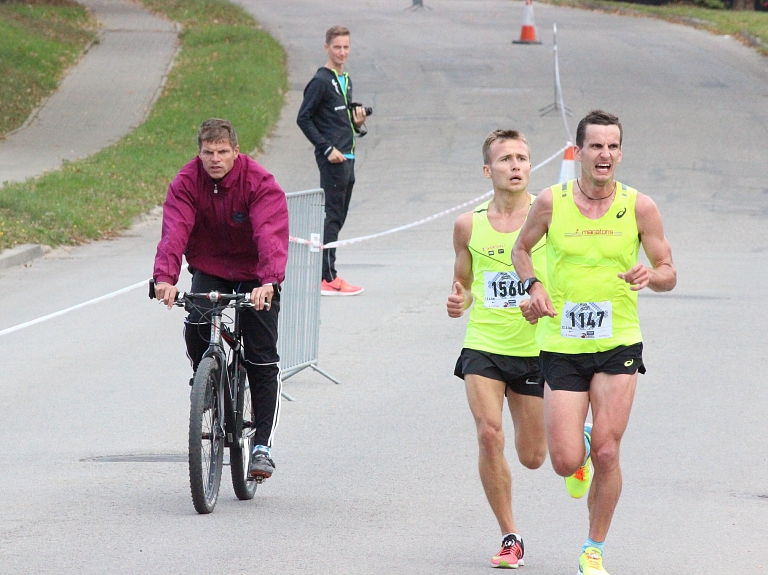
[[144, 283], [315, 242]]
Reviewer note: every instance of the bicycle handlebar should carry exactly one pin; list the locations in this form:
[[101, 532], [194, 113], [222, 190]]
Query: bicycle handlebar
[[236, 299], [240, 300]]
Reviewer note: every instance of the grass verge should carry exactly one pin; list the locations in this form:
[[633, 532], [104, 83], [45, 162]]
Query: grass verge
[[39, 42], [227, 67], [749, 26]]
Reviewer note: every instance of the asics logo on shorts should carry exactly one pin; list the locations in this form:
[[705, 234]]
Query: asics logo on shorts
[[629, 362]]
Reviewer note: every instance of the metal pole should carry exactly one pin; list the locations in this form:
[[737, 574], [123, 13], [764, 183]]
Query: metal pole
[[556, 106], [417, 5]]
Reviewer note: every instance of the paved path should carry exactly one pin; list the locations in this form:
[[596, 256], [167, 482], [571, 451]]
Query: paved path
[[108, 94]]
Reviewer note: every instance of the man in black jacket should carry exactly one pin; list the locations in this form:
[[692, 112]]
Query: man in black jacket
[[332, 126]]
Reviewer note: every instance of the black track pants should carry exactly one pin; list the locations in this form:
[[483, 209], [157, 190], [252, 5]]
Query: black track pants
[[337, 180], [260, 343]]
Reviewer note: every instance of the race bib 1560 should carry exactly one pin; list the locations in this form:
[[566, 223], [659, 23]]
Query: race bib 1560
[[503, 289]]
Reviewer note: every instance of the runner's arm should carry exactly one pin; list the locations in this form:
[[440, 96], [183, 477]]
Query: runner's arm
[[663, 275], [534, 228], [461, 295]]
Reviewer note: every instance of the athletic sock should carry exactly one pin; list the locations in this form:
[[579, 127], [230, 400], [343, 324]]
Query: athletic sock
[[591, 543], [588, 447], [263, 448], [517, 535]]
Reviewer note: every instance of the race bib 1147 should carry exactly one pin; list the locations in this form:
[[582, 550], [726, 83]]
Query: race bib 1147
[[591, 320]]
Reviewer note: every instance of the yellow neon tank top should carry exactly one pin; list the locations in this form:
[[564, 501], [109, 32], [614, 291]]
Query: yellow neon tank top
[[596, 309], [496, 324]]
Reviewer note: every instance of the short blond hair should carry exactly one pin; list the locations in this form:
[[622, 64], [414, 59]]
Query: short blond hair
[[500, 135], [334, 31]]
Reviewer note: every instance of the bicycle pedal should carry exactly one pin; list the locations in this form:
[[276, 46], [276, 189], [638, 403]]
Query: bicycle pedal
[[258, 480]]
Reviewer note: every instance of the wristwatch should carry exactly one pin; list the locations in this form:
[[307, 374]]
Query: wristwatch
[[528, 284]]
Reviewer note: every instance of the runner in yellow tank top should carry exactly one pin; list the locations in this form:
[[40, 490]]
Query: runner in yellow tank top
[[589, 334], [500, 355], [495, 322]]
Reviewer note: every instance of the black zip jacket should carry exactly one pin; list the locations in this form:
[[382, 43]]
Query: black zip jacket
[[324, 116]]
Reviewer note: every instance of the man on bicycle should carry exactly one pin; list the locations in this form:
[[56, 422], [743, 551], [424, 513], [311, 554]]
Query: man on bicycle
[[226, 214]]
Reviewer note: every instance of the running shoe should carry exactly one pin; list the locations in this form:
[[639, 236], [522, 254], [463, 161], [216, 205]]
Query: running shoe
[[578, 483], [591, 562], [261, 465], [511, 554], [339, 287]]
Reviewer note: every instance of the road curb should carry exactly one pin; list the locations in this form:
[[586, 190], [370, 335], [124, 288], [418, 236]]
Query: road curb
[[20, 255]]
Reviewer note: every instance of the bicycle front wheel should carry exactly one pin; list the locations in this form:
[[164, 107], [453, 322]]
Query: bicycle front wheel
[[206, 436], [240, 454]]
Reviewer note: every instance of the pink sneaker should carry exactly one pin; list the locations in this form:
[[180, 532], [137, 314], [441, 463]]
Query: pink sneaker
[[511, 554], [339, 287]]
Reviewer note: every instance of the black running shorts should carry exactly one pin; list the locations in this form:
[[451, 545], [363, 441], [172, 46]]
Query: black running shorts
[[521, 374], [574, 371]]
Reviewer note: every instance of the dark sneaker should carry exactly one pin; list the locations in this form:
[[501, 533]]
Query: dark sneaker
[[511, 554], [261, 465]]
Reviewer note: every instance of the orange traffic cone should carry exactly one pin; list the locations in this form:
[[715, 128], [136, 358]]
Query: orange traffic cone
[[528, 33], [568, 167]]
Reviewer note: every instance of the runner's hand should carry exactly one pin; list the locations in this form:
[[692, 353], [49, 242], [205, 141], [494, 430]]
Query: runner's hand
[[525, 308], [457, 301], [638, 277], [540, 304], [261, 297]]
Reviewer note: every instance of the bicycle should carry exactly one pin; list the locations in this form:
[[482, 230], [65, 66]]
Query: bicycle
[[221, 413]]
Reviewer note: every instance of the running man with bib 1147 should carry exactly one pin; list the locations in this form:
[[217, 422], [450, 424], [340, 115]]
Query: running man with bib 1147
[[589, 330]]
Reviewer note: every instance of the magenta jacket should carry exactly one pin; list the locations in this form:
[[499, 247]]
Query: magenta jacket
[[236, 229]]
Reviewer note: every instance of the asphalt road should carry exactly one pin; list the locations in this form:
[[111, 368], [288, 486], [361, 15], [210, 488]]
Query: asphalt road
[[379, 474]]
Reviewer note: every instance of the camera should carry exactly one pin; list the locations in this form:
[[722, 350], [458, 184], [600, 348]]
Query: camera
[[353, 105]]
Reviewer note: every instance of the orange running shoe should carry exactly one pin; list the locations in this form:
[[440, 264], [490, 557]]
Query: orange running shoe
[[339, 287], [511, 554]]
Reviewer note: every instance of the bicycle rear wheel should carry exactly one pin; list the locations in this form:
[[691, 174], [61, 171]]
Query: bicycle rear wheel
[[206, 437], [240, 454]]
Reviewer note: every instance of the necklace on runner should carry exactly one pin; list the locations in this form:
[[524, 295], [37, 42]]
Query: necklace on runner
[[597, 199]]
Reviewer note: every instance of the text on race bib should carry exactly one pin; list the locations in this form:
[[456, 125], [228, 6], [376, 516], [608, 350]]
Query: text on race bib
[[591, 320], [503, 290]]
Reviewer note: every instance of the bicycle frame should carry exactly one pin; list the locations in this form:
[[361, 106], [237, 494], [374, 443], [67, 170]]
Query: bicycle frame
[[229, 362]]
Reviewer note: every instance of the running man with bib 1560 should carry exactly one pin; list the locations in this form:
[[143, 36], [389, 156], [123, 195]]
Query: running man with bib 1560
[[589, 330], [500, 355]]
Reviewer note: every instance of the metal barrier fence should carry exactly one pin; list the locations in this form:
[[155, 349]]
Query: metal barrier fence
[[299, 327]]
